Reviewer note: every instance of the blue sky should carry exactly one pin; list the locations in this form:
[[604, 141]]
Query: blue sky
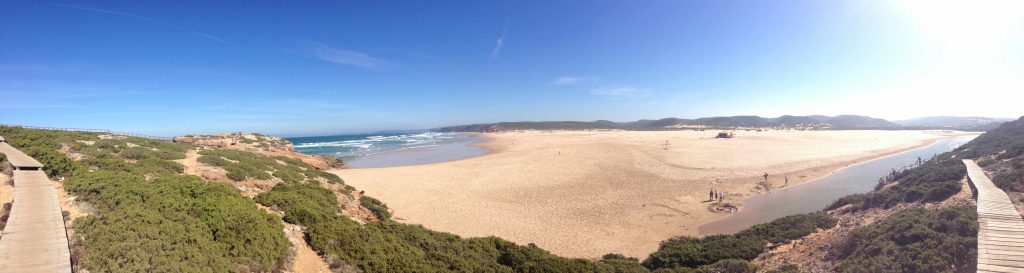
[[312, 68]]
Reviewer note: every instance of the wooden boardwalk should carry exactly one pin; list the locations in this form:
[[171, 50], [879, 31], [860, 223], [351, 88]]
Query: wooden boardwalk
[[35, 239], [1001, 229]]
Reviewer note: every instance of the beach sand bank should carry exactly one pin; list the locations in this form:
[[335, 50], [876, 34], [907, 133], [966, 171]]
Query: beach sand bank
[[587, 193]]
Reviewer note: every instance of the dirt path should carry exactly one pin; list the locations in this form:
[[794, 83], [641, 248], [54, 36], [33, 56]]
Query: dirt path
[[306, 260], [191, 163]]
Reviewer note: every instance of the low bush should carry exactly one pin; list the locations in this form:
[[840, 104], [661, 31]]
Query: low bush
[[788, 268], [846, 200], [379, 209], [789, 228], [56, 163], [696, 252], [159, 167], [173, 224], [303, 204], [213, 160], [1010, 180], [289, 175], [747, 244], [913, 240], [240, 171]]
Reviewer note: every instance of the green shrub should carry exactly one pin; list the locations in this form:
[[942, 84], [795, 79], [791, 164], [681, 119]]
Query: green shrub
[[56, 163], [109, 163], [913, 240], [788, 268], [173, 224], [112, 145], [1009, 180], [289, 175], [137, 153], [379, 209], [213, 160], [845, 200], [789, 228], [159, 167], [696, 252], [747, 244], [729, 266], [331, 178], [240, 171], [303, 204]]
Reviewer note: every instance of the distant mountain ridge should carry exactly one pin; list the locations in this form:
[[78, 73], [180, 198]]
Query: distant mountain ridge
[[973, 123], [728, 122]]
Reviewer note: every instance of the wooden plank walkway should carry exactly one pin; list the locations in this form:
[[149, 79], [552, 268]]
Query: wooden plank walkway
[[1000, 227], [35, 239], [18, 159]]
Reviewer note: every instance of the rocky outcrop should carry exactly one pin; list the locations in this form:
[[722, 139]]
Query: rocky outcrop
[[260, 144]]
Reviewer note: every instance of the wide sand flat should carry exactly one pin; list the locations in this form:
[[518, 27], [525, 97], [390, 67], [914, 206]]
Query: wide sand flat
[[584, 194]]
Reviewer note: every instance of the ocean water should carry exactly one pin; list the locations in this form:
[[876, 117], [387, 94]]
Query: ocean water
[[390, 150]]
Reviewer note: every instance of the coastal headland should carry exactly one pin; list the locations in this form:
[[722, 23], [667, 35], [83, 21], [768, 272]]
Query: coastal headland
[[588, 193]]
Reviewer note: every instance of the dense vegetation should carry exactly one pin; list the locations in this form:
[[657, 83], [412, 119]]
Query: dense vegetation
[[379, 209], [1001, 151], [173, 224], [1011, 177], [242, 165], [146, 217], [914, 240], [747, 244]]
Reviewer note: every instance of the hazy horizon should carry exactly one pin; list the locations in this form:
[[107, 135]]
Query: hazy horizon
[[177, 68]]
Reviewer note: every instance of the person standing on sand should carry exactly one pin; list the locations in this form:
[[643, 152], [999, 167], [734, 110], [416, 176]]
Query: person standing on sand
[[765, 176], [711, 195], [721, 197], [787, 180]]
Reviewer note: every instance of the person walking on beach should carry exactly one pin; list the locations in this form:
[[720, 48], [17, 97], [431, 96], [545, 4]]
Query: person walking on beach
[[787, 180], [765, 176], [721, 197], [711, 195]]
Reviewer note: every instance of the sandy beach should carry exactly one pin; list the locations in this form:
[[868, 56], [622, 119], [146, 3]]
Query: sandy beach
[[587, 193]]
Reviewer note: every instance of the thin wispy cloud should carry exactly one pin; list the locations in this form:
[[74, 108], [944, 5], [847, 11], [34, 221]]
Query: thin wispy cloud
[[620, 91], [497, 47], [571, 80], [343, 56], [151, 20]]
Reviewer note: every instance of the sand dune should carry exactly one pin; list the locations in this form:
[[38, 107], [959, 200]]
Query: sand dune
[[584, 194]]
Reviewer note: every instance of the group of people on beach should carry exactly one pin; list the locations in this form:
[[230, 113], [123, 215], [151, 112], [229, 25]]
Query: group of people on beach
[[713, 195]]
